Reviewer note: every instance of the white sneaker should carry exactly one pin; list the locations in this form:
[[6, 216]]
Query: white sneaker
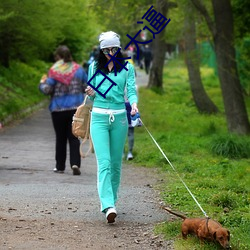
[[111, 214], [130, 156], [58, 171]]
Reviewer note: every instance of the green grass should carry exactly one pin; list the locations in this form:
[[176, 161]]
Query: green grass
[[19, 87], [214, 164]]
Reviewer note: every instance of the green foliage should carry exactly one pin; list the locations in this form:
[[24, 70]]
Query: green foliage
[[242, 35], [241, 17], [41, 29], [219, 183], [243, 61], [231, 146], [122, 16], [175, 30], [224, 200], [210, 129], [170, 230], [19, 87]]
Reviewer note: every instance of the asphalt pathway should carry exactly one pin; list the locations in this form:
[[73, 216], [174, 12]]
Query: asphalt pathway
[[31, 190]]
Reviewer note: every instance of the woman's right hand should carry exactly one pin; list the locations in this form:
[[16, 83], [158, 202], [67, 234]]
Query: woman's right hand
[[89, 91]]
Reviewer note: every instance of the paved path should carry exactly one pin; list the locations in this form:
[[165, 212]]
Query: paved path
[[31, 191], [26, 163], [27, 160], [141, 78]]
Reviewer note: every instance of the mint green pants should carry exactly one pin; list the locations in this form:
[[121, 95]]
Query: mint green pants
[[108, 136]]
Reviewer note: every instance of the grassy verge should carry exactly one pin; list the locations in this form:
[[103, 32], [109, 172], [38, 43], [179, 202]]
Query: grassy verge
[[212, 163], [19, 88]]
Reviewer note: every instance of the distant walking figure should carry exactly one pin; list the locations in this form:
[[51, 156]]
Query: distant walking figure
[[147, 58], [66, 83]]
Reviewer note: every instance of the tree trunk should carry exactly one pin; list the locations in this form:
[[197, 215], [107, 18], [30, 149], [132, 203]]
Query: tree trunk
[[235, 109], [201, 99], [223, 37], [159, 51]]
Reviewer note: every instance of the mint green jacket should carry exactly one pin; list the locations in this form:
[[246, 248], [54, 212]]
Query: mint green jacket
[[125, 81]]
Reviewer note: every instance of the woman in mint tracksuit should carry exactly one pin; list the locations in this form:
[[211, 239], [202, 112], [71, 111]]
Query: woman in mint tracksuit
[[109, 123]]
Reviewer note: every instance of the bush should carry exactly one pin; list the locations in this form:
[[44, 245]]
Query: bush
[[223, 200], [19, 88], [231, 146]]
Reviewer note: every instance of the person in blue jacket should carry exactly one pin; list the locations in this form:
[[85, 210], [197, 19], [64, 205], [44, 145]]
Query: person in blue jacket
[[65, 83], [109, 124]]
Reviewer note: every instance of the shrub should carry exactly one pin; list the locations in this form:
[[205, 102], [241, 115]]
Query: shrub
[[223, 200], [231, 146]]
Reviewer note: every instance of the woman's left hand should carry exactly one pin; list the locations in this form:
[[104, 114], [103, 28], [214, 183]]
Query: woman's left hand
[[134, 109]]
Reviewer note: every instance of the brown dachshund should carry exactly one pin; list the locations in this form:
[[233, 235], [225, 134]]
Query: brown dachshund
[[204, 229]]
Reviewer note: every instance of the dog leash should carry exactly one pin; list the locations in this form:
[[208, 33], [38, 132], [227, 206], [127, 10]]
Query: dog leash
[[174, 170]]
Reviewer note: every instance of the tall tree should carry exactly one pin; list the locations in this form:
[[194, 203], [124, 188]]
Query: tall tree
[[223, 38], [159, 49], [201, 99]]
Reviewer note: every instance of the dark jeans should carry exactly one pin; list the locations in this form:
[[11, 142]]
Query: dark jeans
[[130, 139], [62, 122]]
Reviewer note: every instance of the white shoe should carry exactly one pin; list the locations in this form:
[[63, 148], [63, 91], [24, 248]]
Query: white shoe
[[111, 214], [58, 171], [130, 156]]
